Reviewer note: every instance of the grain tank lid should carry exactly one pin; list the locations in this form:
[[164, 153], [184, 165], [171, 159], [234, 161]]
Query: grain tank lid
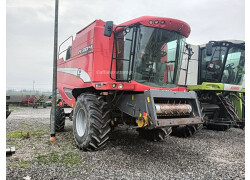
[[161, 22]]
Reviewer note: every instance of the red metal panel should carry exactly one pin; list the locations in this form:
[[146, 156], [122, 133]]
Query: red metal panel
[[102, 55]]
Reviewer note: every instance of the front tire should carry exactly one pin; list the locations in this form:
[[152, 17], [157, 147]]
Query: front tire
[[186, 131], [155, 134], [91, 122]]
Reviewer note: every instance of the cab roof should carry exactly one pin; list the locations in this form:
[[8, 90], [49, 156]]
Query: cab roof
[[161, 22], [226, 41]]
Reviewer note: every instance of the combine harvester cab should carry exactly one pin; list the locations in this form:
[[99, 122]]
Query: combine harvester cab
[[127, 74], [217, 72]]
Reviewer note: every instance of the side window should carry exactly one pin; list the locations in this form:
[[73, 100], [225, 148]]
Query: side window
[[212, 65], [171, 55], [123, 48], [68, 53]]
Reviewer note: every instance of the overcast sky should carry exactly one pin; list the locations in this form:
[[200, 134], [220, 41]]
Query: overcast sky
[[30, 28]]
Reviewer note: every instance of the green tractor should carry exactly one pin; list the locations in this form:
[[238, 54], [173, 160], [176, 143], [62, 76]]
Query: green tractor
[[40, 102], [216, 72]]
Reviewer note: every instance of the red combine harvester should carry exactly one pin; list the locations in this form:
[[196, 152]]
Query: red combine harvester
[[127, 74]]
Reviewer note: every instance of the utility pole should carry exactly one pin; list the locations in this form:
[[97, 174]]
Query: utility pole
[[33, 86], [53, 110]]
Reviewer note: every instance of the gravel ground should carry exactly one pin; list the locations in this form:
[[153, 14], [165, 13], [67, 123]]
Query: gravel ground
[[207, 155]]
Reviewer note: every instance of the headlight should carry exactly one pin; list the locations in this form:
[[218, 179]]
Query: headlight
[[120, 86], [98, 86]]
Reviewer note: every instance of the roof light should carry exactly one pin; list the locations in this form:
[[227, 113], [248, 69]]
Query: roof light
[[156, 22], [150, 22], [162, 22]]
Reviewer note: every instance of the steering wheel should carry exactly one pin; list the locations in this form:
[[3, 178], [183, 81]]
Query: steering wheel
[[163, 53], [230, 65]]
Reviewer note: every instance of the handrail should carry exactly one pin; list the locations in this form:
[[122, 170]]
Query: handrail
[[62, 44], [122, 59]]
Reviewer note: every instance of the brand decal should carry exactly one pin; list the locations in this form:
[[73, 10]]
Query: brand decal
[[230, 87], [86, 50], [234, 88]]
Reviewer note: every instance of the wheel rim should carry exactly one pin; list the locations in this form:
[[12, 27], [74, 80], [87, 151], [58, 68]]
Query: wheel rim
[[80, 122]]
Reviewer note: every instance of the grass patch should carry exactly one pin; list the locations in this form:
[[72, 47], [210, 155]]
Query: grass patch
[[25, 125], [54, 157], [21, 164], [25, 133], [71, 158], [13, 107], [24, 164], [42, 159]]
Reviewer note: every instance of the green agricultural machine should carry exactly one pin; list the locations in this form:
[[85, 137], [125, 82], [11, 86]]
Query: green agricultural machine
[[40, 102], [8, 112], [216, 72]]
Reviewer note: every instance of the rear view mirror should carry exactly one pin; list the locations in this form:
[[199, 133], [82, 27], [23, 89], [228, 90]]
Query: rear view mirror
[[108, 28], [209, 49]]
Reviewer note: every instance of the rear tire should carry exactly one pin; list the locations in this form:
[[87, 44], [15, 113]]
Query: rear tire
[[60, 119], [186, 131], [155, 134], [91, 122], [218, 127]]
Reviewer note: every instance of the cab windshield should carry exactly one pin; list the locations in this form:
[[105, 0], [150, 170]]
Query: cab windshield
[[226, 65], [157, 57], [150, 56], [234, 67]]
